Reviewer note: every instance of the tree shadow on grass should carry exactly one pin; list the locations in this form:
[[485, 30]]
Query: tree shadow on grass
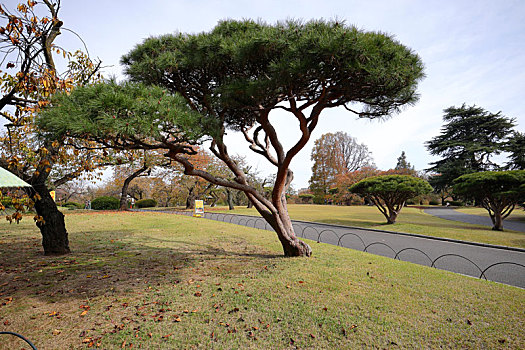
[[100, 267]]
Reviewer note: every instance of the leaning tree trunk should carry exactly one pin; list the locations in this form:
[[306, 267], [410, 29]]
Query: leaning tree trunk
[[282, 224], [273, 210], [125, 186], [292, 246], [53, 228]]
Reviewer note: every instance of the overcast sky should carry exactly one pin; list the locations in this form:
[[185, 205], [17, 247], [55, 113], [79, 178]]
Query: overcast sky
[[473, 51]]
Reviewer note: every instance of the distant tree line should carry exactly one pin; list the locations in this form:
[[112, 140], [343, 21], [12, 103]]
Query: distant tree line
[[468, 142]]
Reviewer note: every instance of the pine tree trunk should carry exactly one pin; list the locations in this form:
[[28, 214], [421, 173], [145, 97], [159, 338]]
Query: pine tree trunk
[[292, 246], [54, 234], [282, 224], [497, 221], [391, 218]]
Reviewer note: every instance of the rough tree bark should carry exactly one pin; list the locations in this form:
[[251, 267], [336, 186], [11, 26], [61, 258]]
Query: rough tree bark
[[53, 229]]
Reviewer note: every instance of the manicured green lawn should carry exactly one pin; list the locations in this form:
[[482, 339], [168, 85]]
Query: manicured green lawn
[[517, 214], [160, 281], [411, 220]]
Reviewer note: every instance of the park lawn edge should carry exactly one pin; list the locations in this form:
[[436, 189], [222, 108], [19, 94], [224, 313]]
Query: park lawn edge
[[165, 281], [411, 220]]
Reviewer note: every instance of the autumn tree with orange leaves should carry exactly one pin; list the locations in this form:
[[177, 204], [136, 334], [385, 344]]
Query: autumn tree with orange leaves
[[336, 157], [28, 78]]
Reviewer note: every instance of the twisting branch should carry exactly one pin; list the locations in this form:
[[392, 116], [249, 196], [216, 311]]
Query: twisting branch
[[189, 169], [257, 147], [262, 118]]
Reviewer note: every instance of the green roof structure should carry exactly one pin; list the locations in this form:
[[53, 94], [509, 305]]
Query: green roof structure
[[7, 179]]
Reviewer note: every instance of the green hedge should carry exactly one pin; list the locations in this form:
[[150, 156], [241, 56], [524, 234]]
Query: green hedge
[[146, 203], [73, 205], [105, 203], [319, 200]]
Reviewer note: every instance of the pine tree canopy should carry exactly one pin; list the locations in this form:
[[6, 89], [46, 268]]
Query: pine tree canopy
[[241, 67]]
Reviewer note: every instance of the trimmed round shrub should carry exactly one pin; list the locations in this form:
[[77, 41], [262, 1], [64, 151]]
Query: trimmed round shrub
[[457, 203], [306, 197], [433, 202], [105, 203], [146, 203], [73, 205]]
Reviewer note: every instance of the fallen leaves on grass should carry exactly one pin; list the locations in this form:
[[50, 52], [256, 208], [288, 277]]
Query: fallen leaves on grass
[[352, 327], [86, 308], [6, 302]]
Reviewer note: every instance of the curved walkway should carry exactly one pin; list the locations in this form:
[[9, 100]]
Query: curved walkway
[[451, 214], [495, 263]]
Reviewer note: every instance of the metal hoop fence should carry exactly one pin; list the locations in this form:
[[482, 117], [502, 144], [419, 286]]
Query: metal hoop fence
[[354, 241]]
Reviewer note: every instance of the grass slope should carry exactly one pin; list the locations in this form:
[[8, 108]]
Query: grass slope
[[411, 220], [159, 281]]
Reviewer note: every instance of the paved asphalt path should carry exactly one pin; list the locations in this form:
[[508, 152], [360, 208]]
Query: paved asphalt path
[[499, 264], [451, 214]]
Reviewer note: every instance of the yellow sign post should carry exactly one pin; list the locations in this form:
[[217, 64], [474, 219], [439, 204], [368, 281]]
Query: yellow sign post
[[52, 193], [199, 208]]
